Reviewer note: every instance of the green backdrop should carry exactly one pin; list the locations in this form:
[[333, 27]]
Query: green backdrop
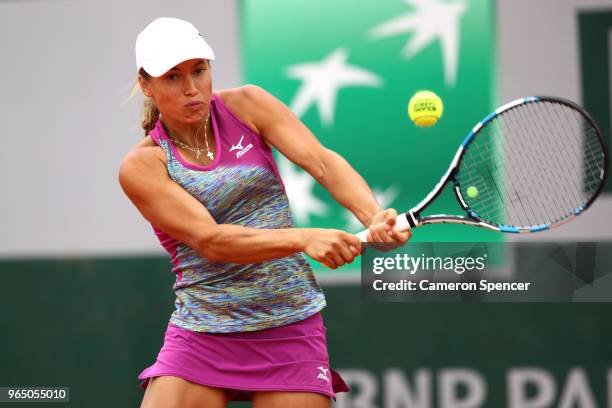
[[370, 127]]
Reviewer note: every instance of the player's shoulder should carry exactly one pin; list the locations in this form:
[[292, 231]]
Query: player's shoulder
[[241, 95], [145, 149], [244, 102], [144, 156]]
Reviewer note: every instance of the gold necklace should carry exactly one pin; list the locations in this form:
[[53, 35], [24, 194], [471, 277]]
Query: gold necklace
[[197, 149]]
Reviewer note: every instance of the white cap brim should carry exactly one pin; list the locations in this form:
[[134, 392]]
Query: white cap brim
[[167, 42]]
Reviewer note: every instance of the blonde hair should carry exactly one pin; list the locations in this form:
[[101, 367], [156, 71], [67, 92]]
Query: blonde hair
[[150, 114]]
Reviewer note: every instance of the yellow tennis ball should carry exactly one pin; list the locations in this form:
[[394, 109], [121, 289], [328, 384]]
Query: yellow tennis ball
[[425, 108], [472, 192]]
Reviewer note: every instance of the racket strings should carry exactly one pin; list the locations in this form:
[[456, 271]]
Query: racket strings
[[521, 179], [481, 176], [589, 181], [512, 193], [571, 191], [592, 158], [489, 155], [565, 194], [556, 158], [535, 164]]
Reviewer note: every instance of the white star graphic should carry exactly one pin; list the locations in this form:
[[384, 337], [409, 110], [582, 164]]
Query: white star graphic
[[322, 80], [384, 198], [431, 19], [299, 186]]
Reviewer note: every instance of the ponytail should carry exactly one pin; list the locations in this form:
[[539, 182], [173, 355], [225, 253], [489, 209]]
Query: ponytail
[[150, 114]]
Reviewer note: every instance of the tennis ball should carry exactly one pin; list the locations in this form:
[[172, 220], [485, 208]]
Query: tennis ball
[[425, 108], [472, 192]]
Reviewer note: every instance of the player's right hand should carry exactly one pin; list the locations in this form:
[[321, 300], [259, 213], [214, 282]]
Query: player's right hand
[[382, 230], [333, 248]]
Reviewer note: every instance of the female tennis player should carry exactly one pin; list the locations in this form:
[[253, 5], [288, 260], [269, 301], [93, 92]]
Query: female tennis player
[[247, 322]]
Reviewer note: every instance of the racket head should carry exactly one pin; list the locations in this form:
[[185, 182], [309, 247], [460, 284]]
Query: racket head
[[536, 163]]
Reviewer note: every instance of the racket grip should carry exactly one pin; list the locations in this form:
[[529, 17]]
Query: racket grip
[[401, 224]]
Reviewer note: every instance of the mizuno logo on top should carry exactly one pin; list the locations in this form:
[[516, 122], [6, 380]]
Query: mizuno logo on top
[[242, 150]]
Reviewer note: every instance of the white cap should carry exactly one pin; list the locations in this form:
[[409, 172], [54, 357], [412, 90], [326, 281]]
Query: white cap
[[168, 41]]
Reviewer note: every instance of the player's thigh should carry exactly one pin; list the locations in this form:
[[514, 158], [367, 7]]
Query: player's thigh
[[278, 399], [174, 392]]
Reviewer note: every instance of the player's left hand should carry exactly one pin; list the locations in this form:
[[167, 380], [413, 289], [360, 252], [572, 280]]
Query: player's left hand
[[381, 229]]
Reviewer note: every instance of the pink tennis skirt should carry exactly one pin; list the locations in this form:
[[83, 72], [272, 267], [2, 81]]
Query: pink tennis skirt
[[287, 358]]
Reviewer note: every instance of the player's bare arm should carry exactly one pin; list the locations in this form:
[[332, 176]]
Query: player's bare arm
[[282, 129]]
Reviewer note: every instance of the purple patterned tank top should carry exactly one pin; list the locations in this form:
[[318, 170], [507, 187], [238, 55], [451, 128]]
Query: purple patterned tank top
[[241, 186]]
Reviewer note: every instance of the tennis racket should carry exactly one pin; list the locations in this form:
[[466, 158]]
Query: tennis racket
[[533, 164]]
